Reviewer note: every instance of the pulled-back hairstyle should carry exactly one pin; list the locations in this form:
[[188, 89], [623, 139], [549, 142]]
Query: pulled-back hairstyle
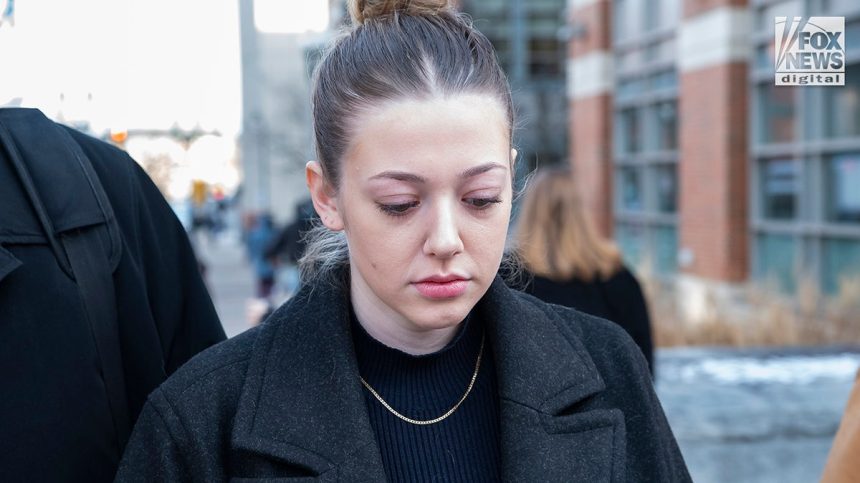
[[395, 49], [555, 238]]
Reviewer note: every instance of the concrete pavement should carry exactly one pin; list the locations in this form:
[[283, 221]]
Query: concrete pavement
[[229, 278]]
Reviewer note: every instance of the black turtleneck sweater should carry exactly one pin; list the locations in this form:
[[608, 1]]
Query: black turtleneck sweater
[[462, 447]]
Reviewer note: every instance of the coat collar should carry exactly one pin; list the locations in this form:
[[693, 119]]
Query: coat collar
[[302, 401]]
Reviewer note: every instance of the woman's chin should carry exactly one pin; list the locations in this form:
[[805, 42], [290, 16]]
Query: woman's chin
[[440, 319]]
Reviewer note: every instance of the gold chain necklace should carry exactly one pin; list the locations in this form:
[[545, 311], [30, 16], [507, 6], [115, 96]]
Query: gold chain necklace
[[440, 418]]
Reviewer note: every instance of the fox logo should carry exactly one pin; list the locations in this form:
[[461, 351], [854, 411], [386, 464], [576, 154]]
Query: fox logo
[[813, 47]]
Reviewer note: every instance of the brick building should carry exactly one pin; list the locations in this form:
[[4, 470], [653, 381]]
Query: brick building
[[693, 160]]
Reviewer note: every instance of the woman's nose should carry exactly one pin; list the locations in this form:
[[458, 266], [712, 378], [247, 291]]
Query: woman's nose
[[443, 238]]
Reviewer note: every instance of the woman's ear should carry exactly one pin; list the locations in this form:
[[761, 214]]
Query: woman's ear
[[513, 157], [322, 194]]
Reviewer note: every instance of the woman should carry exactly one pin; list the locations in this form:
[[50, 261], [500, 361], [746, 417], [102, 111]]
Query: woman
[[403, 357], [571, 264]]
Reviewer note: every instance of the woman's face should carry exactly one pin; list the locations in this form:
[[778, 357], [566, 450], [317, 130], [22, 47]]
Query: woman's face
[[425, 199]]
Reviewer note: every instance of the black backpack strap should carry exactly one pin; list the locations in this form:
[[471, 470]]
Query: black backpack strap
[[86, 252], [79, 225]]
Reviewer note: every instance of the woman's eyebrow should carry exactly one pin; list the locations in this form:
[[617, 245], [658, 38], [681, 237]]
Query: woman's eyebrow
[[481, 169], [414, 178], [400, 176]]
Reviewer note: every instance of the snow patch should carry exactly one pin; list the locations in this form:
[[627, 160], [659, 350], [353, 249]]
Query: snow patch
[[783, 369]]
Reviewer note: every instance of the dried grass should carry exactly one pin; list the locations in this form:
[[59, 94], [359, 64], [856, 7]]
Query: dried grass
[[762, 316]]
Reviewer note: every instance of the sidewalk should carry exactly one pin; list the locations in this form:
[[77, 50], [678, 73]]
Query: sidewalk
[[229, 278]]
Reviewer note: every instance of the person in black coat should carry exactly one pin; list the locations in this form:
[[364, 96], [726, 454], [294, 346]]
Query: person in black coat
[[404, 357], [570, 264], [56, 415]]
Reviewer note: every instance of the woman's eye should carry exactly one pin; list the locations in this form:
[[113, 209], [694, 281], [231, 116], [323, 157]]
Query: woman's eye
[[398, 209], [482, 202]]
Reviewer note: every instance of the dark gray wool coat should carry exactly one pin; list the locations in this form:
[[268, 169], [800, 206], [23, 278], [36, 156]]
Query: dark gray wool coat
[[284, 400]]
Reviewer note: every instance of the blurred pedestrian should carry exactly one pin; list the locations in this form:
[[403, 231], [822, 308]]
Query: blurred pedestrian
[[261, 233], [290, 241], [571, 264], [843, 463], [100, 300], [405, 357], [288, 247]]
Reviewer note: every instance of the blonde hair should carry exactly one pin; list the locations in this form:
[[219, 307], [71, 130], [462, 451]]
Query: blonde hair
[[555, 237]]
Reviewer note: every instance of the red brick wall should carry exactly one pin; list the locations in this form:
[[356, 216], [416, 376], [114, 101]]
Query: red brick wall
[[591, 155], [591, 119], [594, 20], [713, 170], [696, 7]]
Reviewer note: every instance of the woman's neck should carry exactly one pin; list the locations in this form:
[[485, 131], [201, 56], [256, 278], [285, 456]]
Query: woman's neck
[[392, 329]]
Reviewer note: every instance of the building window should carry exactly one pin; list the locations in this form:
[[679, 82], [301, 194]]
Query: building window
[[665, 249], [629, 139], [665, 120], [807, 182], [544, 57], [631, 189], [764, 57], [776, 113], [779, 189], [788, 8], [844, 182], [645, 132], [775, 255], [842, 106], [631, 240], [843, 6], [663, 51], [627, 18], [666, 181], [661, 81], [630, 88], [841, 263]]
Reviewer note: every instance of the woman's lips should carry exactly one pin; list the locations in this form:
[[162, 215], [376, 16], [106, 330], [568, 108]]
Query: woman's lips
[[442, 290]]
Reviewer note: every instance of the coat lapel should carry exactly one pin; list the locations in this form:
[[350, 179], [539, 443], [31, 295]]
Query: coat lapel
[[546, 380], [302, 402]]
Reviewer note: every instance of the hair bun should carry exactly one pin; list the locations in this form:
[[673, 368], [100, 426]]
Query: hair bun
[[362, 10]]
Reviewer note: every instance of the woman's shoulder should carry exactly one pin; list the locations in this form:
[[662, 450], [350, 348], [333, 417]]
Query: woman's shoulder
[[623, 279], [607, 343], [219, 368]]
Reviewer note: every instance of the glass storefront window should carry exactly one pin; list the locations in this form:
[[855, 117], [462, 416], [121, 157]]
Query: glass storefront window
[[841, 261], [842, 106], [666, 179], [779, 187], [776, 113], [775, 255], [665, 249], [843, 204], [630, 189]]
